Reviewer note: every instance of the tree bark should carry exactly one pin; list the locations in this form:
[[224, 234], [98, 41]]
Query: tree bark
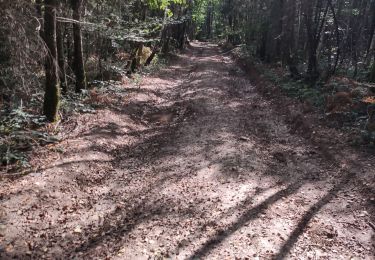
[[151, 57], [371, 41], [372, 27], [372, 74], [288, 32], [78, 65], [61, 55], [52, 88], [181, 36], [337, 32], [314, 26], [274, 31]]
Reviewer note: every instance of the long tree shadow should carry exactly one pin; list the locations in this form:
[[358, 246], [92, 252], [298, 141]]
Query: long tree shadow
[[253, 213], [128, 220], [314, 209]]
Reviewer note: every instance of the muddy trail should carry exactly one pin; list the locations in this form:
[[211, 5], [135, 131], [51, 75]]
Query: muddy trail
[[195, 164]]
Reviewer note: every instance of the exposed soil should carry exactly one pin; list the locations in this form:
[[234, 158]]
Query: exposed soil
[[197, 162]]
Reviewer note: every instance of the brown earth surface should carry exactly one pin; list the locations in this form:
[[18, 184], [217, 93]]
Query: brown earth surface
[[198, 162]]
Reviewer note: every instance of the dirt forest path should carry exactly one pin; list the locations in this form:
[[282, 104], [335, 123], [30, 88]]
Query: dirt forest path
[[195, 164]]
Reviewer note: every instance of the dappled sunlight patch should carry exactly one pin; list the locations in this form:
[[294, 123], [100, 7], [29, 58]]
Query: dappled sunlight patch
[[234, 104], [84, 158], [199, 92], [209, 172], [157, 83], [233, 195], [207, 74]]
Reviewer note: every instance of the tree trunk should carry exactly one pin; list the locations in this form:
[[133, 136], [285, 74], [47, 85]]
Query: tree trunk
[[139, 55], [274, 31], [372, 74], [181, 36], [69, 46], [164, 33], [78, 66], [209, 21], [288, 33], [165, 38], [61, 56], [288, 43], [52, 90], [151, 57], [312, 65], [371, 41], [315, 22], [337, 32], [133, 64]]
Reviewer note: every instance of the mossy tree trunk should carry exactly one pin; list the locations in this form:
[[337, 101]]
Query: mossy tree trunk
[[78, 66], [151, 57], [52, 88], [134, 60]]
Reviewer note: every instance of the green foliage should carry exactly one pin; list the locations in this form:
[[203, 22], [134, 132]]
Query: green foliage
[[8, 157], [158, 63], [296, 88], [164, 4], [17, 137], [74, 104], [18, 119]]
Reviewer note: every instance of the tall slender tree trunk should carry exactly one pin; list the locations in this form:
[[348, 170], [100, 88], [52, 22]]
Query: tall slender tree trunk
[[287, 39], [164, 34], [61, 58], [312, 63], [69, 46], [181, 36], [288, 43], [274, 31], [315, 22], [52, 89], [61, 54], [78, 65], [338, 45], [372, 74], [371, 41], [209, 14]]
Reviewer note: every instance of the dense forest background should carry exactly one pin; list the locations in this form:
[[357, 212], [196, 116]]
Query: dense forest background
[[54, 53], [323, 37]]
